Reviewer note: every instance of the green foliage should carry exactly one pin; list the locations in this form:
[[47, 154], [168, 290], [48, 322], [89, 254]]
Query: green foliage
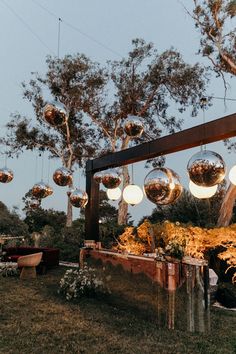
[[214, 20], [10, 223], [189, 209], [79, 283], [37, 219]]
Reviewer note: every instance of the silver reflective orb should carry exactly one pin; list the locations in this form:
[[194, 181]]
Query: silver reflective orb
[[111, 179], [98, 176], [206, 168], [162, 186], [133, 126], [78, 198], [70, 190], [55, 113], [41, 190], [6, 175], [34, 203], [63, 177]]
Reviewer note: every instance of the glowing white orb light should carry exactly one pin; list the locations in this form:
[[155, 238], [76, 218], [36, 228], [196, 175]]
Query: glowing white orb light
[[202, 192], [132, 194], [232, 175], [114, 194]]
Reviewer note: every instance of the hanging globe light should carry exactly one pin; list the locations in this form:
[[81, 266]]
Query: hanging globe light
[[206, 168], [114, 194], [34, 203], [133, 126], [78, 198], [41, 190], [55, 113], [6, 175], [132, 194], [98, 176], [232, 175], [111, 179], [202, 192], [63, 177], [162, 186]]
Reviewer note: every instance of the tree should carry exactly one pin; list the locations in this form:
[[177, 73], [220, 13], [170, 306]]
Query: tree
[[218, 43], [189, 209], [10, 223], [99, 99]]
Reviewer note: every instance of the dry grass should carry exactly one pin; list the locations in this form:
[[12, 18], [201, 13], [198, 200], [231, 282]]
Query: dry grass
[[34, 319]]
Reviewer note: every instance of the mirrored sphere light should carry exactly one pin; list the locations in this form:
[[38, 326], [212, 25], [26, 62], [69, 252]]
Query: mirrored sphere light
[[114, 194], [98, 176], [41, 190], [62, 177], [162, 186], [6, 175], [232, 175], [111, 179], [132, 194], [206, 168], [79, 198], [34, 203], [55, 113], [133, 126], [202, 192]]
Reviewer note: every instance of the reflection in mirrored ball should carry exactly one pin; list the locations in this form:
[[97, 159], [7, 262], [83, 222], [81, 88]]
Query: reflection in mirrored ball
[[79, 198], [41, 190], [133, 126], [111, 179], [6, 175], [98, 176], [62, 176], [162, 186], [55, 113], [34, 203], [206, 168]]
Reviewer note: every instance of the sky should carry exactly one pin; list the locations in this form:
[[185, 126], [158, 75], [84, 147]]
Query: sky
[[103, 30]]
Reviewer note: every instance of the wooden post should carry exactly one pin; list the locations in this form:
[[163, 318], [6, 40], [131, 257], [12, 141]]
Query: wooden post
[[92, 208]]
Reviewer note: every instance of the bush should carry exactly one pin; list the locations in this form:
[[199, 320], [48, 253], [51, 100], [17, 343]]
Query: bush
[[80, 283]]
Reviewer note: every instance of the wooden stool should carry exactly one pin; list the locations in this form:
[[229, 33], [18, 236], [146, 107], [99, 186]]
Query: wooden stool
[[28, 264]]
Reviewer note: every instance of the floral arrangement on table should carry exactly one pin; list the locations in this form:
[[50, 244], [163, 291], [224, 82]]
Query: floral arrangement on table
[[8, 269], [178, 240], [79, 283]]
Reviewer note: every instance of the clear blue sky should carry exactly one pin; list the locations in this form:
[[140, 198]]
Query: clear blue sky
[[28, 33]]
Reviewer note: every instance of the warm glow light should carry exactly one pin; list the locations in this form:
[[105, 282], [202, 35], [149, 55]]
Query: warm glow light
[[114, 194], [202, 192], [132, 194], [232, 175]]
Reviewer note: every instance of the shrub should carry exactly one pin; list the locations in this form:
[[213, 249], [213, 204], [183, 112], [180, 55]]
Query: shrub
[[80, 283]]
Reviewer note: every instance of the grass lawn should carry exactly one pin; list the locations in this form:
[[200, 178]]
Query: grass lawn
[[35, 319]]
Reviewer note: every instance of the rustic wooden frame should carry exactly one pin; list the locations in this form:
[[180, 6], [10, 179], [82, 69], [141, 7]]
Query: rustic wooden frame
[[220, 129]]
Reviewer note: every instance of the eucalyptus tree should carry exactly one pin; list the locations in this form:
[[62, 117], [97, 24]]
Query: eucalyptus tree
[[216, 21], [99, 99]]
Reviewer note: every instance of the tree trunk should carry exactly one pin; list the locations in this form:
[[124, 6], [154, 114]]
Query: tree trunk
[[69, 214], [123, 206], [226, 209]]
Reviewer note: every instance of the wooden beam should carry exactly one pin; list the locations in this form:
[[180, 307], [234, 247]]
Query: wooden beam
[[213, 131]]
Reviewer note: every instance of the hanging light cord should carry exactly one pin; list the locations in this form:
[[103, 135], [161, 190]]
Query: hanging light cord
[[27, 26]]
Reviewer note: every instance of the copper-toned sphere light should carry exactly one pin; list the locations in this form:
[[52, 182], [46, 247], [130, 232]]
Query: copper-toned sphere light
[[6, 175], [133, 126], [206, 168], [79, 198], [55, 113], [111, 179], [41, 190], [162, 186], [63, 177]]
